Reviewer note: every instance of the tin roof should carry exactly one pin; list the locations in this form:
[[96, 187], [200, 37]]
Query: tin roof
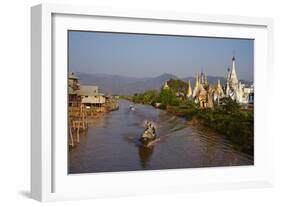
[[88, 90]]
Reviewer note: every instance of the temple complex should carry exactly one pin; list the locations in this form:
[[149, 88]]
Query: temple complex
[[206, 94]]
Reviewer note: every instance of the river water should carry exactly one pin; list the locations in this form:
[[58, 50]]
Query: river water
[[112, 144]]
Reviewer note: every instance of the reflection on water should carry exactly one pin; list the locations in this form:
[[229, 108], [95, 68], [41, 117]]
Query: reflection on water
[[145, 154], [112, 144]]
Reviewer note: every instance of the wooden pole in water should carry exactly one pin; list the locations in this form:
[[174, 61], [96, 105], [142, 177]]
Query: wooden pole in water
[[77, 137], [71, 136]]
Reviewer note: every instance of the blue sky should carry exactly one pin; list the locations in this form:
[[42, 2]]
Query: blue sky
[[141, 55]]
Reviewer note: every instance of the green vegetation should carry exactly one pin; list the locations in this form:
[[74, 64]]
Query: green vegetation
[[168, 97], [148, 97], [165, 97], [228, 106], [227, 118], [178, 85]]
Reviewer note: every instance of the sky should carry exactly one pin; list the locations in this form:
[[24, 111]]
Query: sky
[[143, 55]]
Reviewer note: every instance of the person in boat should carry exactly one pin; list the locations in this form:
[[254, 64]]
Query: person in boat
[[146, 125], [150, 127]]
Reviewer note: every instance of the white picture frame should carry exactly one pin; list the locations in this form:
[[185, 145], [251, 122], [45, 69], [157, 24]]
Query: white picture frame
[[49, 179]]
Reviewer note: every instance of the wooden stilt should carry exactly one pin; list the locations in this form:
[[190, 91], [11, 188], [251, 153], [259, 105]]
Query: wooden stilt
[[78, 137], [71, 137]]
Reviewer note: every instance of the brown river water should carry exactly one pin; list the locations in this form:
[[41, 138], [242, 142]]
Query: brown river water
[[112, 144]]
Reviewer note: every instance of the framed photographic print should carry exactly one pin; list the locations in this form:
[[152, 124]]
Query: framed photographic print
[[134, 102]]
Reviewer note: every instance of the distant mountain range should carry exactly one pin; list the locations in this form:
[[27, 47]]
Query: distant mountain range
[[122, 85]]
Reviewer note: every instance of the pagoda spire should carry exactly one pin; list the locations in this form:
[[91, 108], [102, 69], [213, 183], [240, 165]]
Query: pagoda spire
[[189, 91], [166, 86], [196, 85], [233, 77], [219, 83]]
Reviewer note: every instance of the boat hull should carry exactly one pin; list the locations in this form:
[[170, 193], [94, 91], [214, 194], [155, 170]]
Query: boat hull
[[147, 136]]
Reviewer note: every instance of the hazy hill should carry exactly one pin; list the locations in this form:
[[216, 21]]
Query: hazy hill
[[115, 84]]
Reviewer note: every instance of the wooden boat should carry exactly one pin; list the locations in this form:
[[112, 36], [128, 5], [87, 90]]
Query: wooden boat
[[132, 108], [148, 135]]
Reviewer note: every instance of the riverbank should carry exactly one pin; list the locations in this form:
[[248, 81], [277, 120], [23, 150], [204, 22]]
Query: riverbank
[[236, 124]]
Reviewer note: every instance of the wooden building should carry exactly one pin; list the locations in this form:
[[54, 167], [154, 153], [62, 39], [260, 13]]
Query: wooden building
[[90, 96]]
